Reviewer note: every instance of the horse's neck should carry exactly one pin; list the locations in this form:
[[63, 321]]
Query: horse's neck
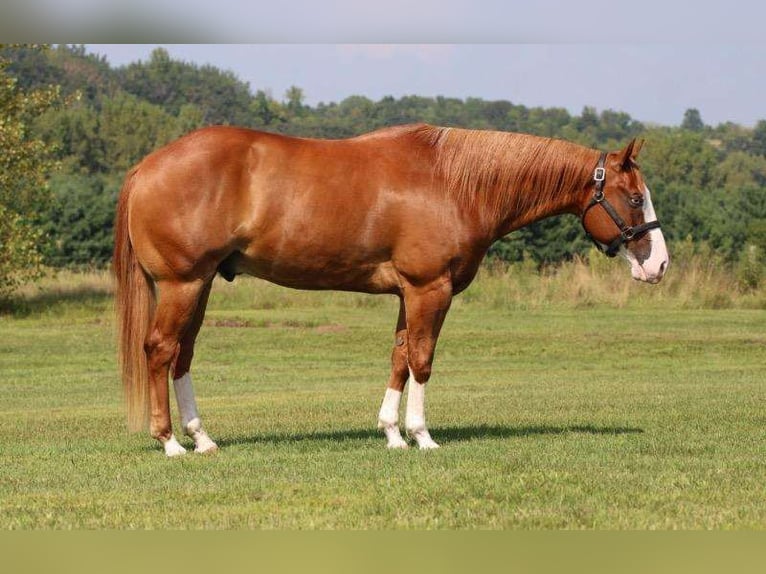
[[519, 212], [538, 190], [510, 180]]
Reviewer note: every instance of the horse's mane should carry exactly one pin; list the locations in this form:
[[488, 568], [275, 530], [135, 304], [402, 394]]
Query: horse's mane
[[502, 171]]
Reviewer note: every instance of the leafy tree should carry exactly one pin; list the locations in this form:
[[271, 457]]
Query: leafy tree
[[740, 170], [25, 164], [692, 120], [131, 128], [73, 133], [266, 110], [730, 137], [547, 241], [81, 219], [496, 113], [190, 117], [77, 72], [759, 138], [294, 101], [678, 156], [171, 84]]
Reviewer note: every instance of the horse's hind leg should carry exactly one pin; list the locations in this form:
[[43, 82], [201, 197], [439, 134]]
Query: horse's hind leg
[[388, 418], [182, 384], [176, 307]]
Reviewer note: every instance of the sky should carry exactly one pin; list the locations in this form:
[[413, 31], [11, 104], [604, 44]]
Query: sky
[[652, 59], [653, 82]]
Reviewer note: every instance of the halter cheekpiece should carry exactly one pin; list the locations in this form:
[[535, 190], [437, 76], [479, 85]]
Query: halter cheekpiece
[[627, 232]]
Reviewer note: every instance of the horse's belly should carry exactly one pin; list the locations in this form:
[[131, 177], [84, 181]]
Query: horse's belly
[[319, 272]]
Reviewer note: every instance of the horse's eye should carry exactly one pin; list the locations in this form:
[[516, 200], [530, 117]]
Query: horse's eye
[[636, 201]]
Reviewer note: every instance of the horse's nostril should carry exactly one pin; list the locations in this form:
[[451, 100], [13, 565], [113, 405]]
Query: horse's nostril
[[663, 266]]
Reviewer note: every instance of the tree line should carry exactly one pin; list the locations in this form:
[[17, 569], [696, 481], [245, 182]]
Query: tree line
[[82, 123]]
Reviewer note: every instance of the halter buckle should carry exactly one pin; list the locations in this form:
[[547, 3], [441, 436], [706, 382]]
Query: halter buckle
[[598, 196], [599, 174]]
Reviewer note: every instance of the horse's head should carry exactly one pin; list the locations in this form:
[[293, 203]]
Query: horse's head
[[619, 216]]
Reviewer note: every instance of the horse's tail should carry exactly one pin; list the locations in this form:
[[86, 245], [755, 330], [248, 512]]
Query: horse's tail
[[134, 305]]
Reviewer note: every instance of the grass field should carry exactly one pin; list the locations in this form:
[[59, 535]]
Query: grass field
[[641, 411]]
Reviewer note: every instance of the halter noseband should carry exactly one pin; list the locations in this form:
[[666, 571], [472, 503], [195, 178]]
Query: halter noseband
[[627, 232]]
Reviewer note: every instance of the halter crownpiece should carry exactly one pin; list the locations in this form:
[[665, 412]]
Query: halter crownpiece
[[627, 232]]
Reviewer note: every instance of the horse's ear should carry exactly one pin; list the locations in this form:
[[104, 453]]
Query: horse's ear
[[637, 147], [627, 156]]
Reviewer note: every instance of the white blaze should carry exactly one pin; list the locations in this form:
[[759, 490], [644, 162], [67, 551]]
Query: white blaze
[[654, 267]]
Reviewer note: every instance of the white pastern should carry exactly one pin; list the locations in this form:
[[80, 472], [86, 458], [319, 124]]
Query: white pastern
[[173, 447], [388, 419], [415, 420], [190, 421]]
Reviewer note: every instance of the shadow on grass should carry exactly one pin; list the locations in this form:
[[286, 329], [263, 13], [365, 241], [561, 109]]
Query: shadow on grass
[[47, 301], [440, 434]]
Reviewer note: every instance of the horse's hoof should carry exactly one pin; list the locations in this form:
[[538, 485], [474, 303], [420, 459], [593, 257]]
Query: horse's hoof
[[203, 443], [423, 438], [207, 449], [428, 445], [173, 448], [397, 444]]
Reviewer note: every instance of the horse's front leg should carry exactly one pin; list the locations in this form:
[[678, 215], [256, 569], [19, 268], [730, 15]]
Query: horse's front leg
[[426, 307]]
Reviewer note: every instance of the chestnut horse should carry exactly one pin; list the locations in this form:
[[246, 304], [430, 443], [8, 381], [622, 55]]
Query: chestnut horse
[[409, 211]]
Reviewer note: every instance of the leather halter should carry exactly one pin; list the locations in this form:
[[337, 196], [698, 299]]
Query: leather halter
[[627, 232]]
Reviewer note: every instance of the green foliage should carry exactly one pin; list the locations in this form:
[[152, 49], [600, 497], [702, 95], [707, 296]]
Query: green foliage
[[677, 156], [25, 164], [294, 97], [266, 112], [81, 220], [547, 241], [171, 84], [692, 120], [20, 258], [759, 138], [130, 128]]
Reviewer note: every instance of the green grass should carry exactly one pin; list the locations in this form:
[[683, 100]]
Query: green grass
[[639, 413]]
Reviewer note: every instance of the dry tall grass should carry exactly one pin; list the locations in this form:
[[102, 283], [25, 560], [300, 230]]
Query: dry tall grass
[[695, 281], [698, 282]]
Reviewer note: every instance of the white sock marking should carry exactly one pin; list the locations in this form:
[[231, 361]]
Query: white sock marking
[[190, 420], [415, 421], [388, 418], [187, 406]]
